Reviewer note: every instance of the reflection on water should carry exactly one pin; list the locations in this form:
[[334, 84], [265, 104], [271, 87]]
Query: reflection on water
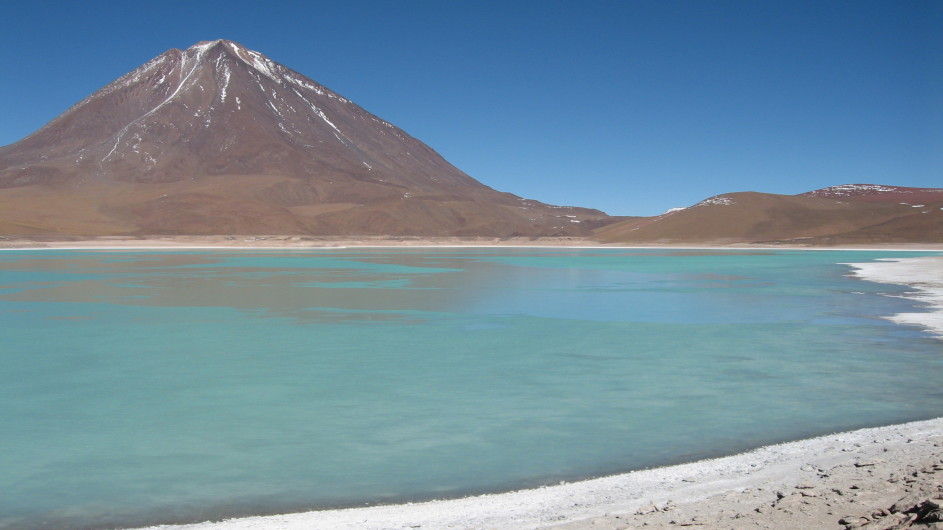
[[355, 285], [176, 386]]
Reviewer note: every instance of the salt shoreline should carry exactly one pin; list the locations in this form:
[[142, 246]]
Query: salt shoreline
[[809, 483], [759, 476], [923, 274], [339, 242]]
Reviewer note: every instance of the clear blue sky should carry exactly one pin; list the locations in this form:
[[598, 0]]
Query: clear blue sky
[[632, 107]]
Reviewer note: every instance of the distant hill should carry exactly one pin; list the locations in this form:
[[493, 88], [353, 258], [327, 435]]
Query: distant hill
[[219, 139], [846, 214]]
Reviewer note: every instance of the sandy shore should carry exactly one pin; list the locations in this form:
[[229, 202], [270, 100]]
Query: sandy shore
[[260, 242], [880, 478], [263, 242]]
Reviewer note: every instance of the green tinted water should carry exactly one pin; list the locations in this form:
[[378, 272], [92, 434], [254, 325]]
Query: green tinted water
[[146, 387]]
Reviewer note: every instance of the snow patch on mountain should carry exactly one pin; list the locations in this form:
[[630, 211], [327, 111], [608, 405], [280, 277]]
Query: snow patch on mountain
[[256, 60], [719, 200], [304, 84], [852, 190], [226, 74], [135, 76], [185, 58]]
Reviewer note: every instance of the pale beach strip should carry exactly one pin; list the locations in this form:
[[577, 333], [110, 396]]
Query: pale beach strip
[[861, 470], [746, 480], [924, 275], [185, 243]]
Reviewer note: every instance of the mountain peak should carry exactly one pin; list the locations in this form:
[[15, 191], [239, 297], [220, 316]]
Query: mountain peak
[[210, 43], [220, 138], [206, 45], [232, 47], [201, 51]]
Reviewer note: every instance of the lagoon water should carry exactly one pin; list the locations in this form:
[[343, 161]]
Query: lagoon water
[[175, 386]]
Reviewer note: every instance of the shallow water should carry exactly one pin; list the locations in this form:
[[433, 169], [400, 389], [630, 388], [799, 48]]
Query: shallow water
[[147, 387]]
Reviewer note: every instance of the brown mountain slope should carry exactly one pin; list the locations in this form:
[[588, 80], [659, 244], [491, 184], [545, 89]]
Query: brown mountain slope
[[924, 224], [220, 139], [750, 217]]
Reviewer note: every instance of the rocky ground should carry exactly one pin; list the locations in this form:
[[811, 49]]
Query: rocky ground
[[880, 478], [871, 494]]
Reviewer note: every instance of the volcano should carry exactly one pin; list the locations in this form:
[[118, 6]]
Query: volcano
[[220, 139]]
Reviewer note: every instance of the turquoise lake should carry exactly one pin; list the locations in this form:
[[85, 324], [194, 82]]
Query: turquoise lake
[[178, 386]]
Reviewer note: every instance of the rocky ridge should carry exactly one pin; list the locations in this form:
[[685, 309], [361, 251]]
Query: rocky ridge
[[837, 215], [867, 493]]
